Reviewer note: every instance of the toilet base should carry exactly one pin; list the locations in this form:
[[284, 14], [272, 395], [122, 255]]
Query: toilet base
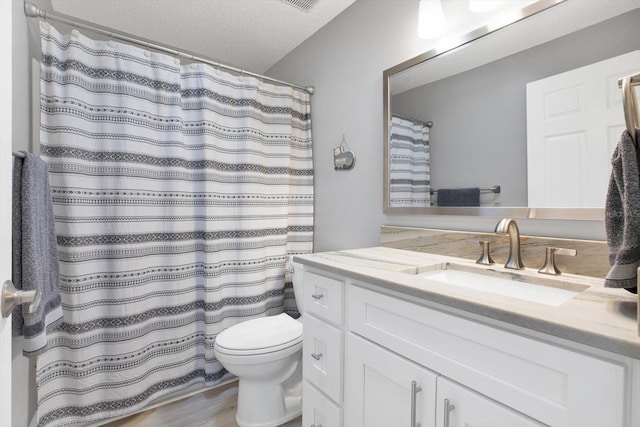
[[293, 410], [269, 406]]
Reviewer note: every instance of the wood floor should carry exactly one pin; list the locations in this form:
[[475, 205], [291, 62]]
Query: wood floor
[[212, 408]]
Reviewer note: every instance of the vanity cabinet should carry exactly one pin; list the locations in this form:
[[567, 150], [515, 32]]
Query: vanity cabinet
[[384, 389], [375, 357], [534, 380]]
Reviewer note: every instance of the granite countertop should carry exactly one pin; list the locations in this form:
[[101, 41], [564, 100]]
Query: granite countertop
[[599, 317]]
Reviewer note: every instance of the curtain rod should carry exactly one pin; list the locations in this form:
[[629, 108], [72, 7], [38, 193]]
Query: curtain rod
[[428, 124], [33, 11]]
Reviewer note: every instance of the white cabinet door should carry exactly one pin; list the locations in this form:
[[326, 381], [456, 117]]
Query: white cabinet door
[[378, 388], [470, 409]]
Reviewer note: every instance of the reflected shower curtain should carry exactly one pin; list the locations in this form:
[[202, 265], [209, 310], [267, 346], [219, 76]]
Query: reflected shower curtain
[[409, 172], [179, 192]]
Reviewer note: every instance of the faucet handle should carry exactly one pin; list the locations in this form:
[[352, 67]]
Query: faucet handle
[[550, 266], [485, 257]]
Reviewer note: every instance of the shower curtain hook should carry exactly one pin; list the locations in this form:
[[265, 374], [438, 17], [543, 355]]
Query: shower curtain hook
[[147, 52], [111, 43], [75, 33]]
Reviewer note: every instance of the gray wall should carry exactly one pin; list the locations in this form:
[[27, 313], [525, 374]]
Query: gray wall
[[482, 112], [345, 61]]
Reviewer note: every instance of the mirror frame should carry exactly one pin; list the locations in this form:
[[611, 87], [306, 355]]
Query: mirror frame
[[591, 214]]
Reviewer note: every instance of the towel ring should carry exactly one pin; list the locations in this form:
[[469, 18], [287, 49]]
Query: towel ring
[[630, 105]]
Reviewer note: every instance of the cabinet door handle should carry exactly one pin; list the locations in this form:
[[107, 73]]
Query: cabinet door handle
[[316, 356], [448, 407], [316, 425], [317, 296], [415, 389]]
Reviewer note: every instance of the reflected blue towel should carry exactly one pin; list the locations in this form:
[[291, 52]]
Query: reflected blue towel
[[458, 197]]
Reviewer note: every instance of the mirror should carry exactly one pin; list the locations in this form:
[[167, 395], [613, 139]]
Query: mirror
[[475, 95]]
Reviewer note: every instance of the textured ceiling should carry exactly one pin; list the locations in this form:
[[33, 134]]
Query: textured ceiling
[[248, 34]]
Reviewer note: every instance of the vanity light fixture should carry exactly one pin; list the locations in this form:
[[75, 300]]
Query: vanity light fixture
[[431, 21], [479, 6]]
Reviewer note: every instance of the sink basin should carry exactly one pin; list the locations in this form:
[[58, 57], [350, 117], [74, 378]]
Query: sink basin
[[551, 292]]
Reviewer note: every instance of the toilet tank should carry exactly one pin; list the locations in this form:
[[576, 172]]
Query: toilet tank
[[298, 287]]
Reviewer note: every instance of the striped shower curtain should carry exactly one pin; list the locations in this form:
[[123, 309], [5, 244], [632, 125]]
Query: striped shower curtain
[[409, 170], [179, 191]]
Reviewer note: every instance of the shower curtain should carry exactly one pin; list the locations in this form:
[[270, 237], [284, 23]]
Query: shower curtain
[[409, 173], [179, 191]]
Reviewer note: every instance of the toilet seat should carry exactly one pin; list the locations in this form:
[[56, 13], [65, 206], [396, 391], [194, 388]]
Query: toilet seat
[[259, 336]]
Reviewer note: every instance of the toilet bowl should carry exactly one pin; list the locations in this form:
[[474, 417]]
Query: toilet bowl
[[266, 356]]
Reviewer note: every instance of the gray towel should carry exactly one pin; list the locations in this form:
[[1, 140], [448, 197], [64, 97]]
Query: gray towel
[[622, 215], [458, 197], [35, 253]]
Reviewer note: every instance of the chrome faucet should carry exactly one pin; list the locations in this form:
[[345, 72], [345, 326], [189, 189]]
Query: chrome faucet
[[509, 226]]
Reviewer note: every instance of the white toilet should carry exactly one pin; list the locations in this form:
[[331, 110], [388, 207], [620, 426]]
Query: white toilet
[[266, 356]]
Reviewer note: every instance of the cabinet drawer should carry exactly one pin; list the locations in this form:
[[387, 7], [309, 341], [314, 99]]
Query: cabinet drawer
[[557, 386], [317, 410], [324, 297], [322, 351]]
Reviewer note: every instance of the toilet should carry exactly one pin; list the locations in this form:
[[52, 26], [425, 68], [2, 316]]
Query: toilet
[[266, 356]]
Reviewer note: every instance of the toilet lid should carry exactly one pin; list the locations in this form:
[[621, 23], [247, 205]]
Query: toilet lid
[[261, 335]]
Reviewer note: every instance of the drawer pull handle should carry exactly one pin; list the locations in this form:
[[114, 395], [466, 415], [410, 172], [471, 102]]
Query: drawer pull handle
[[316, 356], [415, 389], [316, 425], [317, 296], [448, 407]]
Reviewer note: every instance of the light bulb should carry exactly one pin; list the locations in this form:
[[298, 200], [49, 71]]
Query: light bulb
[[431, 22]]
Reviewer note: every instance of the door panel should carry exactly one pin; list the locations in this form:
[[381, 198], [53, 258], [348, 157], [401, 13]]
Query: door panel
[[378, 387], [471, 409]]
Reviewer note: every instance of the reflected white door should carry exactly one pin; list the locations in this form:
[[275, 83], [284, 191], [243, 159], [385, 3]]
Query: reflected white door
[[5, 205], [574, 122]]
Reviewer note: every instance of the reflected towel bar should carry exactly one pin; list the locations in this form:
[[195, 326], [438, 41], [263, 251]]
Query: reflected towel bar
[[18, 154], [494, 189]]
